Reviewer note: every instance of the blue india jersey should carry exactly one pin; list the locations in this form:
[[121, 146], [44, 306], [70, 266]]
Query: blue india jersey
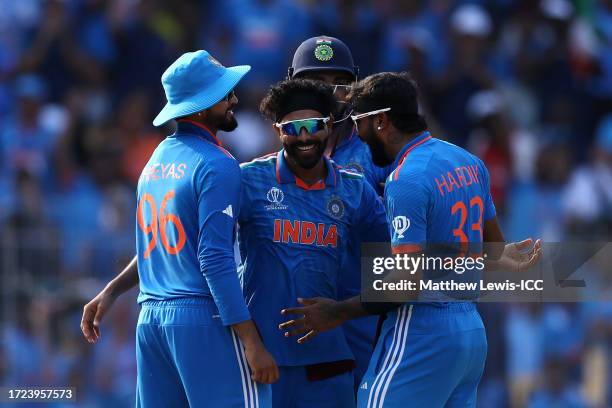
[[188, 203], [293, 240], [438, 193], [353, 154]]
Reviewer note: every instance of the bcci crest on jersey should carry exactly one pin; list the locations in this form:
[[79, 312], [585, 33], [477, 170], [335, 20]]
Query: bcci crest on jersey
[[275, 196], [335, 207], [400, 224]]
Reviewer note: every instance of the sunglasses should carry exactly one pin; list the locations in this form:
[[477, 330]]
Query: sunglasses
[[343, 88], [294, 127], [366, 114]]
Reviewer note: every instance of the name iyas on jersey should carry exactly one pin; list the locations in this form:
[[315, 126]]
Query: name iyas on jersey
[[305, 232], [163, 171]]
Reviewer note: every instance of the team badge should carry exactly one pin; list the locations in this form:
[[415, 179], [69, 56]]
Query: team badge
[[323, 51], [275, 196], [400, 224], [335, 207]]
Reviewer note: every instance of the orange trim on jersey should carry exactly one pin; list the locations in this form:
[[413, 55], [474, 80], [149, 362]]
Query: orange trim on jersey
[[203, 127], [406, 249], [319, 185], [405, 155]]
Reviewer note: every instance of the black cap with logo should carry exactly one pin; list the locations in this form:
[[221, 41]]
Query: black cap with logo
[[322, 53]]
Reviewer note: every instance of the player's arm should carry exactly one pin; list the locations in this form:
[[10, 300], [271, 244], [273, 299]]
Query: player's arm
[[372, 218], [319, 314], [99, 305], [219, 189], [516, 256]]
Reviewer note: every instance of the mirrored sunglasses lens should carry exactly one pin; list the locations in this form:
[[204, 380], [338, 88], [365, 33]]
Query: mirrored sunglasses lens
[[290, 129], [311, 125]]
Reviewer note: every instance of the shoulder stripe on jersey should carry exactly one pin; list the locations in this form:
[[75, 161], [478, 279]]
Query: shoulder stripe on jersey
[[403, 159], [267, 159], [344, 171]]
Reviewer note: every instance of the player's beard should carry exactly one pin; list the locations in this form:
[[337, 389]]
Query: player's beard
[[309, 160], [377, 147], [228, 122], [225, 122]]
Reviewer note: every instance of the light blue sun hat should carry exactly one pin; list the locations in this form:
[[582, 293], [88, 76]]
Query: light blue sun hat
[[195, 82]]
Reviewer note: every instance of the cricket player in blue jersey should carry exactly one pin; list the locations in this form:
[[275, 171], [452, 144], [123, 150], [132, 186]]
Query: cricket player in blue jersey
[[196, 344], [429, 354], [298, 210], [329, 60]]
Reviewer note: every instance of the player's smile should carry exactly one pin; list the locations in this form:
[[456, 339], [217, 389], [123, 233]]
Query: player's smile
[[305, 149]]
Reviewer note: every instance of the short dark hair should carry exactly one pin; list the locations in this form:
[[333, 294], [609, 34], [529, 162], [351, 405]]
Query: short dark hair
[[280, 96], [396, 90]]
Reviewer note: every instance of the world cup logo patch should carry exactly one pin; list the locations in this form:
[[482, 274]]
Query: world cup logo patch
[[275, 196], [400, 224], [335, 207]]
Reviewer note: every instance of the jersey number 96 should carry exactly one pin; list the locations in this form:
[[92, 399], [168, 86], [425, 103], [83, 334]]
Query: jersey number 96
[[159, 224]]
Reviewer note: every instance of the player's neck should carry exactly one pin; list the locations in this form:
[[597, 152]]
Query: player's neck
[[203, 122], [398, 140], [308, 176]]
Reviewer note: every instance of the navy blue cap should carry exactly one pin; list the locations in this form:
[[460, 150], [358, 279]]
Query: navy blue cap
[[323, 53]]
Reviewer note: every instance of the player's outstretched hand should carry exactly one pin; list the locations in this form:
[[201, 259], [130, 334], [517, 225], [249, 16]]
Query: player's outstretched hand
[[318, 315], [263, 367], [93, 313], [519, 256]]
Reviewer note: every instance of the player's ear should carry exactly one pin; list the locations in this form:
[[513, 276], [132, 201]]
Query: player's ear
[[276, 130], [381, 120]]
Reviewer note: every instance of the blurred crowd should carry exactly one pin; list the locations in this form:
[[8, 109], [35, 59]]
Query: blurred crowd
[[524, 84]]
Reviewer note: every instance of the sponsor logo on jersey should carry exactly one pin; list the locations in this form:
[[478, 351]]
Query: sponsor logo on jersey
[[335, 207], [275, 196], [400, 224], [305, 232]]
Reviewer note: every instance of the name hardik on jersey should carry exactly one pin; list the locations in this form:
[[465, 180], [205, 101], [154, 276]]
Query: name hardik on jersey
[[438, 193], [186, 222], [431, 354], [292, 240]]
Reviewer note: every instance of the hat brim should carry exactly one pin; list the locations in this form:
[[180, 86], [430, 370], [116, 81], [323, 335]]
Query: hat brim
[[312, 68], [205, 99]]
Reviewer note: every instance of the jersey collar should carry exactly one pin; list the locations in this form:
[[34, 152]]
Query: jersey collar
[[403, 154], [284, 174], [410, 146], [198, 129]]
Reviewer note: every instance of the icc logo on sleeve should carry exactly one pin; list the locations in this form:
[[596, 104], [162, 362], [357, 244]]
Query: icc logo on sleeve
[[400, 224]]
